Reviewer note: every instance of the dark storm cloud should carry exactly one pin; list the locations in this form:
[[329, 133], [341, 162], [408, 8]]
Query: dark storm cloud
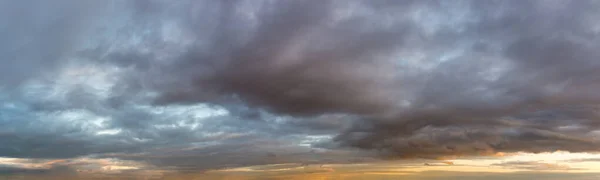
[[194, 78], [294, 62]]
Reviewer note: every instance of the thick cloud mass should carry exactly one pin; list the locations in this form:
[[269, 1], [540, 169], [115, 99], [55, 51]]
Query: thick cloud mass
[[179, 84]]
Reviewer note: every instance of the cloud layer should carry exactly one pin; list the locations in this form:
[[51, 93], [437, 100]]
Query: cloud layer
[[237, 83]]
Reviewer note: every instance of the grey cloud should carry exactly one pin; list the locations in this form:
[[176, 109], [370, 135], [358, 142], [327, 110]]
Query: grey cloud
[[549, 74], [15, 170], [283, 67], [251, 152], [434, 136], [185, 137], [38, 35]]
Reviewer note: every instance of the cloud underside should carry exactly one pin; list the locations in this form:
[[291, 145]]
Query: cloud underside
[[238, 83]]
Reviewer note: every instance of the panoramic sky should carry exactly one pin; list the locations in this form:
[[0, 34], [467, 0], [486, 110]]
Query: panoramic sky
[[300, 89]]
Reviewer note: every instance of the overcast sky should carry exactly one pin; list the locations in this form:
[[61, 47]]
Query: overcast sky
[[246, 88]]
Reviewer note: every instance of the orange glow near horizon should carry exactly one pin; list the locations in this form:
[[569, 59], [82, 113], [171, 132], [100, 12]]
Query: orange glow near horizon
[[501, 164], [558, 162]]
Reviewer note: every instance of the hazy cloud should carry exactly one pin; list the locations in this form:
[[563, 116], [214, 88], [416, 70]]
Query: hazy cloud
[[533, 165]]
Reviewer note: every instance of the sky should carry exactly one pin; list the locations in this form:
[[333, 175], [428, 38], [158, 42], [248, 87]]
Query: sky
[[300, 89]]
